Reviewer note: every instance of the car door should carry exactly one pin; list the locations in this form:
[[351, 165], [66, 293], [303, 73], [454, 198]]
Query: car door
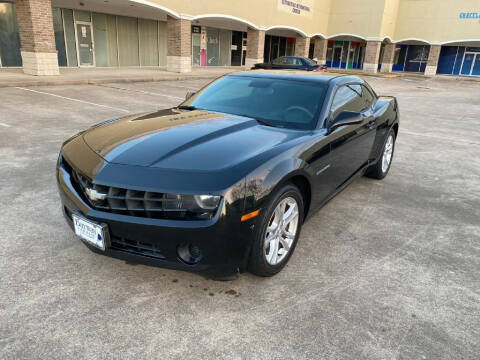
[[350, 145]]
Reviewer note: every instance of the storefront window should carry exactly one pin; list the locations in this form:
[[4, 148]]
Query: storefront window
[[148, 37], [399, 57], [69, 32], [412, 58], [162, 43], [276, 46], [112, 40], [128, 41], [59, 36], [225, 37], [237, 48], [266, 50], [290, 50], [99, 22], [196, 40], [9, 37], [213, 47], [108, 40], [84, 16], [329, 53], [344, 54], [417, 56]]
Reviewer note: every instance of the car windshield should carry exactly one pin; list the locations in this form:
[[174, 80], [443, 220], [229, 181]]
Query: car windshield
[[275, 102]]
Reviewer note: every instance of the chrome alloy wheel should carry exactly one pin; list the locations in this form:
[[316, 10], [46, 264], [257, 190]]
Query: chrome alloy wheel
[[387, 154], [281, 230]]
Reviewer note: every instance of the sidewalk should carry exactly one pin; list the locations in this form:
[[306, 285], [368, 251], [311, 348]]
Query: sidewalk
[[10, 77]]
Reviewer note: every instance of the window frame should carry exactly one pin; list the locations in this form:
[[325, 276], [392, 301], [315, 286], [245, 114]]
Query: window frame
[[337, 88], [374, 96]]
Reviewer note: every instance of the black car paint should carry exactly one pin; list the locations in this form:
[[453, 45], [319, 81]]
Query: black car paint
[[306, 65], [228, 155]]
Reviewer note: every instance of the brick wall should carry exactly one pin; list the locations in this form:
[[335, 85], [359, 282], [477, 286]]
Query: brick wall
[[434, 55], [179, 38], [372, 54], [179, 45], [35, 23], [388, 57], [302, 45], [255, 44], [432, 63], [320, 50]]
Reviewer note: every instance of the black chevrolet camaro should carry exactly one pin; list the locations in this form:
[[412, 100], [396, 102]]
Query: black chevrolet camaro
[[290, 63], [222, 183]]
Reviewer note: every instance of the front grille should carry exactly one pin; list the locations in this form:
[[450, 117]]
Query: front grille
[[137, 247], [136, 202]]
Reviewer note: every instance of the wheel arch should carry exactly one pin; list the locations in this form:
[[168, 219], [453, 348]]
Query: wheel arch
[[395, 129], [302, 182]]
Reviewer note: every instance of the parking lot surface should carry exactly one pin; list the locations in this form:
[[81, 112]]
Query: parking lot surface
[[387, 270]]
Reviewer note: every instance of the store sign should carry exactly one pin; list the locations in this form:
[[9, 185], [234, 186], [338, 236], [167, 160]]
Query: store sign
[[296, 7], [196, 29], [469, 15]]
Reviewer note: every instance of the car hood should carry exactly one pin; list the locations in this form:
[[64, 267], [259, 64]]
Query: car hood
[[184, 140]]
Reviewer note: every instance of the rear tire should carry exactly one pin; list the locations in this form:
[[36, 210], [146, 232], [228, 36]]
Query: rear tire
[[277, 232], [381, 168]]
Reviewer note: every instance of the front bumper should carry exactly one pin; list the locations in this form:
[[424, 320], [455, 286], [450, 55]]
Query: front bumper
[[224, 240]]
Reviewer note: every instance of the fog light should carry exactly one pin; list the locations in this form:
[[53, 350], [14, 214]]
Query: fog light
[[190, 254]]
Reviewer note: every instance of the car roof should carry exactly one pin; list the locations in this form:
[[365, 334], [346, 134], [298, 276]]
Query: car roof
[[299, 75]]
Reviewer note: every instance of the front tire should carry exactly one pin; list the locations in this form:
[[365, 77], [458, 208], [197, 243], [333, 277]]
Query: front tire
[[381, 168], [278, 232]]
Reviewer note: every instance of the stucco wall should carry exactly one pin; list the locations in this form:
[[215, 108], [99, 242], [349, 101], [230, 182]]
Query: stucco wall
[[261, 13], [359, 17], [435, 21]]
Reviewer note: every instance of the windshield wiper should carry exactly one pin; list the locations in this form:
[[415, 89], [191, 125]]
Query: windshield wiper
[[260, 120], [187, 107], [263, 122]]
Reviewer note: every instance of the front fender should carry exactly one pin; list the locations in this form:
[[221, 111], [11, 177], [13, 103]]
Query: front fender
[[262, 184]]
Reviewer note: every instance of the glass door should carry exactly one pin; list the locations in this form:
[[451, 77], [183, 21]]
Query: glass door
[[196, 40], [86, 56], [213, 47], [236, 48], [467, 64], [337, 56], [476, 65]]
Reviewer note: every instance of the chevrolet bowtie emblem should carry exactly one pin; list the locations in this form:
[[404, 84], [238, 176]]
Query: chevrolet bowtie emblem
[[95, 195]]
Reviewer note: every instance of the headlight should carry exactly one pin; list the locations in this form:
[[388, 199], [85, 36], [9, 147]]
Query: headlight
[[208, 202], [191, 206]]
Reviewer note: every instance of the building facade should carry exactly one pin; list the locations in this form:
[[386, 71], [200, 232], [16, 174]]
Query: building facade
[[421, 36]]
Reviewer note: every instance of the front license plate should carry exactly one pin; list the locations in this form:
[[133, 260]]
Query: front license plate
[[89, 231]]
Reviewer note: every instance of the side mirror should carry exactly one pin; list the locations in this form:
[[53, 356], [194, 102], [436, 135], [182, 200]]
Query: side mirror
[[345, 118], [189, 94]]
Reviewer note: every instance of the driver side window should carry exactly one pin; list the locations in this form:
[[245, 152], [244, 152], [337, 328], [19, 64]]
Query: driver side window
[[345, 99], [280, 61]]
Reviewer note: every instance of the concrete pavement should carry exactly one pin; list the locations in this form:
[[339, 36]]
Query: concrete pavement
[[387, 270]]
